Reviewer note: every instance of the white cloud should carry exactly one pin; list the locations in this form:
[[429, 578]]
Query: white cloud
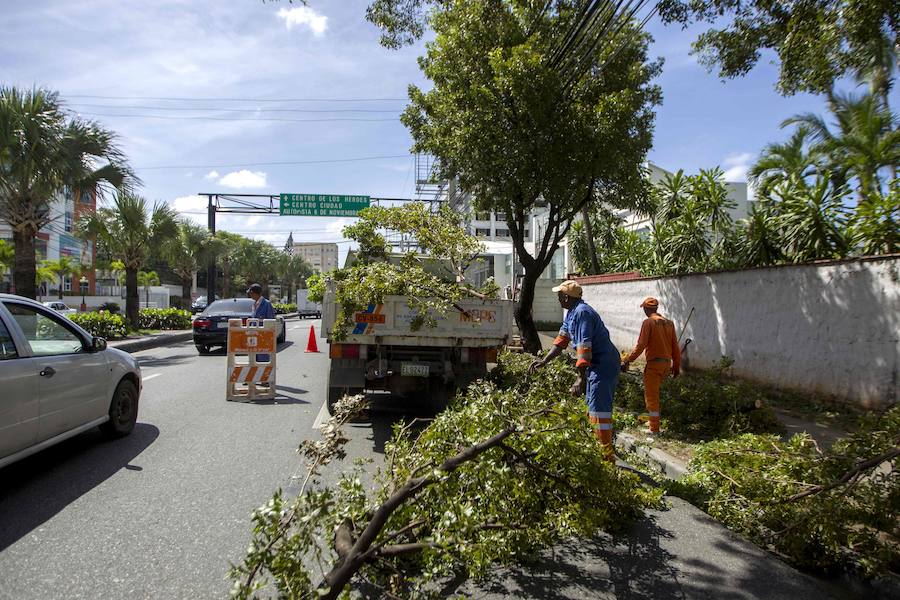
[[211, 175], [304, 16], [337, 225], [737, 165], [244, 179], [191, 207]]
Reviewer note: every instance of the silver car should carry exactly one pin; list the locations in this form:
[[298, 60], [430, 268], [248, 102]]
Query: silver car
[[60, 307], [58, 381]]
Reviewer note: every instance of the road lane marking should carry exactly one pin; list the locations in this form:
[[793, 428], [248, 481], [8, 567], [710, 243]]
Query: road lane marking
[[321, 417], [148, 377]]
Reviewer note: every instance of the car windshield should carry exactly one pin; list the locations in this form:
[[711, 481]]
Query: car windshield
[[200, 300], [234, 306]]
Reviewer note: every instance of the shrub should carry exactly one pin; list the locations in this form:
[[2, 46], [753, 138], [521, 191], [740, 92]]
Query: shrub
[[283, 309], [101, 324], [164, 318], [111, 307], [830, 510], [703, 405]]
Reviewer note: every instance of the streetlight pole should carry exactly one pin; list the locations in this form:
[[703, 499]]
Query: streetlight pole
[[83, 281]]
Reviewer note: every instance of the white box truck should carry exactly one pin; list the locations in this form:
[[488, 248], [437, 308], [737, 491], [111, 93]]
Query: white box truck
[[381, 354], [306, 308]]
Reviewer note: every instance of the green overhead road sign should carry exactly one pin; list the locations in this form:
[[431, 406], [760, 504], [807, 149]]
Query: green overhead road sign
[[322, 205]]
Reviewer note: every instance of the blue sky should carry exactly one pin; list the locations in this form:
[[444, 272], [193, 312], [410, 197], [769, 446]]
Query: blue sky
[[246, 49]]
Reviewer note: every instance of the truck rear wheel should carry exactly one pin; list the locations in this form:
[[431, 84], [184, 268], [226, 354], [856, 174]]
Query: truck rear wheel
[[336, 391]]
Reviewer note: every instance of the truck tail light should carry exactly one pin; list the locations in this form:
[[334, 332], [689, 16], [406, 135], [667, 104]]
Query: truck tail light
[[344, 351], [202, 323]]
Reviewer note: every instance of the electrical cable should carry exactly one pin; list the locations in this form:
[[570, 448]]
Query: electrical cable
[[262, 119], [220, 99], [270, 164], [238, 110]]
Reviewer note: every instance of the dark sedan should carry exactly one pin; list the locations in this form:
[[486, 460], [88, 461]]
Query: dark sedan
[[211, 325], [200, 304]]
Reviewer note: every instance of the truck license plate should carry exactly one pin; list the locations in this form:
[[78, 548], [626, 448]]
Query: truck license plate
[[412, 370]]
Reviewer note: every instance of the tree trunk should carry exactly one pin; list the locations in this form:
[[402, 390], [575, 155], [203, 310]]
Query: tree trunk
[[132, 300], [186, 284], [24, 268], [589, 235], [524, 317], [61, 283]]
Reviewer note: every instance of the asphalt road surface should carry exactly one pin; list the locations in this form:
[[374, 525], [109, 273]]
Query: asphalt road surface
[[161, 513]]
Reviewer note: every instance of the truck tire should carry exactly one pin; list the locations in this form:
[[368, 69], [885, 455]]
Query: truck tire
[[337, 390]]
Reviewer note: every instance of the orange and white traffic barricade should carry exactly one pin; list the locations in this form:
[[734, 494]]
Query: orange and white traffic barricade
[[249, 377]]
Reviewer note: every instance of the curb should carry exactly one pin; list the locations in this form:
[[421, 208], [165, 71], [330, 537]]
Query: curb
[[153, 341], [663, 462]]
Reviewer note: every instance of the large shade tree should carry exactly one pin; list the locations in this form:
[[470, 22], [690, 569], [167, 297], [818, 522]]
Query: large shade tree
[[42, 150], [532, 107], [130, 230]]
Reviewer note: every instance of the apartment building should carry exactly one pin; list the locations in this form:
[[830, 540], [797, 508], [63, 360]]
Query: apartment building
[[323, 257], [57, 239]]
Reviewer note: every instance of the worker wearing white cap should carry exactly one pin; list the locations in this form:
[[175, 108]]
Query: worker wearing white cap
[[597, 360]]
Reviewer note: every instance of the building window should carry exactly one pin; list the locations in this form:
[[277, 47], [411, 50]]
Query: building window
[[483, 232], [483, 216], [67, 284], [501, 217], [527, 233], [503, 233], [69, 222], [85, 197]]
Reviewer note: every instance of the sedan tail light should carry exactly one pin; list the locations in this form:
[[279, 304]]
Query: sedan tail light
[[202, 323]]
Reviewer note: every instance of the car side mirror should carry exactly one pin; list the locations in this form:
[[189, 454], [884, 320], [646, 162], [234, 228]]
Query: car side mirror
[[98, 344]]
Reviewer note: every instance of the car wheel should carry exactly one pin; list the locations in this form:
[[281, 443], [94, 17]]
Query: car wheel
[[203, 349], [122, 411]]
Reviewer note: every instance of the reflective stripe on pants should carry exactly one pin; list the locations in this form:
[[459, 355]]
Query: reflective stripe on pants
[[654, 373]]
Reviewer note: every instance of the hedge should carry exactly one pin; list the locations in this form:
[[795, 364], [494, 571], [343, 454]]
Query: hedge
[[164, 318], [283, 309], [101, 324]]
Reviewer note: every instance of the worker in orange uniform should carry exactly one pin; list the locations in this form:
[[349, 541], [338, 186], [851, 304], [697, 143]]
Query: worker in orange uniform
[[663, 356]]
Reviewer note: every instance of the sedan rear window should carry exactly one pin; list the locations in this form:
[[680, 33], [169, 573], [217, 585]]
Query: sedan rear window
[[230, 307]]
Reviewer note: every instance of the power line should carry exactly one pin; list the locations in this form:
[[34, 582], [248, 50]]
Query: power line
[[267, 164], [240, 110], [261, 119], [214, 99]]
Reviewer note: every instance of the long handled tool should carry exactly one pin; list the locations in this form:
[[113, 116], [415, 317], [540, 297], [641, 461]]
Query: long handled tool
[[688, 320]]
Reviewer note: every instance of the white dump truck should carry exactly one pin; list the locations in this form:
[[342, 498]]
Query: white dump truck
[[382, 355]]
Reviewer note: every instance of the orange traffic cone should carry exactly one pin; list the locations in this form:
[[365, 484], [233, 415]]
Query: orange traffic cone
[[311, 345]]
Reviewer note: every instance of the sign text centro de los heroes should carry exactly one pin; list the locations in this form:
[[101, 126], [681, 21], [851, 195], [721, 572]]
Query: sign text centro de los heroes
[[322, 205]]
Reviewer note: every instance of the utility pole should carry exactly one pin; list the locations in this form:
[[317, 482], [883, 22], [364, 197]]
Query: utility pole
[[211, 266]]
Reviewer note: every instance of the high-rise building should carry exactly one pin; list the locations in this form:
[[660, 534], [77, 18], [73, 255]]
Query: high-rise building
[[323, 257]]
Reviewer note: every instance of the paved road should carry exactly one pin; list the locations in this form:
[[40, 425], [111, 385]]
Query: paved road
[[159, 514]]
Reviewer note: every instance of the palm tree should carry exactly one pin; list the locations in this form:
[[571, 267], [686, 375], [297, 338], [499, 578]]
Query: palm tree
[[761, 236], [688, 244], [62, 268], [145, 279], [711, 197], [814, 220], [227, 247], [186, 252], [787, 161], [864, 142], [875, 225], [129, 233], [671, 194], [41, 151]]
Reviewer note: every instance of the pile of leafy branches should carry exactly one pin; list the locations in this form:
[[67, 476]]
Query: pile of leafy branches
[[703, 405], [829, 510], [433, 278], [503, 472]]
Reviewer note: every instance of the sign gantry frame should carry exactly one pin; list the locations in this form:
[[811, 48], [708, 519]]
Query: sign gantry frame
[[255, 204]]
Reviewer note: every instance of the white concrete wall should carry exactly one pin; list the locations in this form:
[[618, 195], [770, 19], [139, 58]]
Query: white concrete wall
[[546, 306], [832, 328]]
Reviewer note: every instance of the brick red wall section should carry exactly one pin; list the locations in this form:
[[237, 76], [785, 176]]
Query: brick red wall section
[[608, 277]]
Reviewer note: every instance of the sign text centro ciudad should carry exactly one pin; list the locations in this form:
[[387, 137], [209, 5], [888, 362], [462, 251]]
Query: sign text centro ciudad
[[321, 205]]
